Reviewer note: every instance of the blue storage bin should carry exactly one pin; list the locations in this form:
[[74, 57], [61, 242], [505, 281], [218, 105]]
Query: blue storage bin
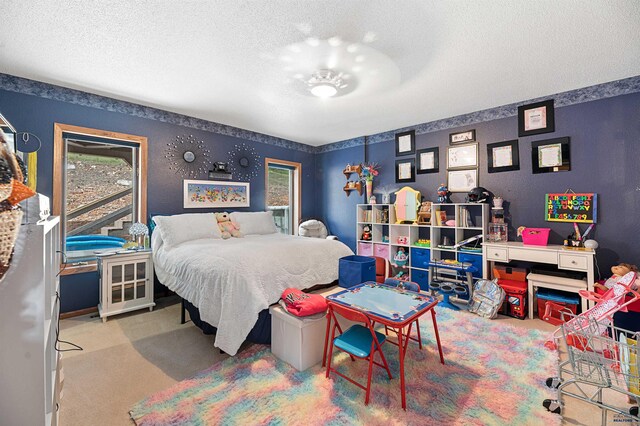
[[420, 277], [354, 270], [420, 258], [475, 260], [558, 296]]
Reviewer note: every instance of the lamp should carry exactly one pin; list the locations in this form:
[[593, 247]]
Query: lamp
[[138, 230], [325, 83]]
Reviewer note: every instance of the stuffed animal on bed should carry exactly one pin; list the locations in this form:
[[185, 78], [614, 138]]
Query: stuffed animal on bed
[[227, 227]]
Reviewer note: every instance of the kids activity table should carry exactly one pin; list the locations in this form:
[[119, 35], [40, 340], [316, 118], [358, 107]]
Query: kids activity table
[[391, 306]]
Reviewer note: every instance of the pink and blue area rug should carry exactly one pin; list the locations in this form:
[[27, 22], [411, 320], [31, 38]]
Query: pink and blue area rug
[[494, 375]]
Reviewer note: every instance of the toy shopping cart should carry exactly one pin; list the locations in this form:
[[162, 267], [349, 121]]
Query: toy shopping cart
[[601, 357]]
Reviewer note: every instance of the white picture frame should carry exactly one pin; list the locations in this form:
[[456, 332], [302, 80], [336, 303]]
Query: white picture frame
[[207, 194], [462, 156], [462, 180]]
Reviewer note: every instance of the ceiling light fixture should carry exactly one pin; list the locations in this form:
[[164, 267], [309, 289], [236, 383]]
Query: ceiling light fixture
[[325, 83]]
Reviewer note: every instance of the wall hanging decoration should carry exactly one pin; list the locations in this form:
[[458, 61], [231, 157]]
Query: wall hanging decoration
[[201, 194], [571, 207], [551, 155], [536, 118], [188, 156], [462, 180], [428, 160], [462, 156], [405, 170], [405, 143], [244, 162], [352, 185], [369, 171], [462, 137], [503, 156]]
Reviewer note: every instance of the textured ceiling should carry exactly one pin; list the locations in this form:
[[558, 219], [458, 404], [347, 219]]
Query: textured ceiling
[[241, 63]]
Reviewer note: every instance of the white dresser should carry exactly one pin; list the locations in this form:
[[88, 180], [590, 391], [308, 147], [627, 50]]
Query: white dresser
[[30, 379]]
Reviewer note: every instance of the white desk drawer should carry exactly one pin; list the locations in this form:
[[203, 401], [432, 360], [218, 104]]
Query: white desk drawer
[[535, 256], [498, 254], [572, 261]]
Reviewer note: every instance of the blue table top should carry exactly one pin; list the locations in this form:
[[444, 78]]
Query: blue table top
[[391, 303]]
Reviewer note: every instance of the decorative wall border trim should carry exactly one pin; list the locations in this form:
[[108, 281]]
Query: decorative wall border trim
[[25, 86], [587, 94]]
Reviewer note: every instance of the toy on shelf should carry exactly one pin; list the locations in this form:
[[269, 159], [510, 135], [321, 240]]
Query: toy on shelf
[[450, 222], [349, 169], [352, 186], [385, 238], [444, 196], [407, 203], [401, 258], [372, 199], [366, 233], [424, 214], [403, 240], [423, 243], [478, 195]]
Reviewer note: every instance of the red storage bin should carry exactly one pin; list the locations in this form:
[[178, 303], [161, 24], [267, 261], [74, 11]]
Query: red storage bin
[[515, 300], [510, 273], [568, 301], [535, 236]]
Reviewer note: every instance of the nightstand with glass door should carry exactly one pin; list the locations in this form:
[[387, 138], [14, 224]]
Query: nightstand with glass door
[[126, 282]]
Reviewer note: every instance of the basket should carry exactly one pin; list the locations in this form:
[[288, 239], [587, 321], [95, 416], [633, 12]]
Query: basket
[[535, 236]]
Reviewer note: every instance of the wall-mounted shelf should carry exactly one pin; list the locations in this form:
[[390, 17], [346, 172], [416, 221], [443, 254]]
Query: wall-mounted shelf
[[351, 170], [356, 187]]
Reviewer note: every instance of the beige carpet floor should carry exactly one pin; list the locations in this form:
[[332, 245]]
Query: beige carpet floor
[[134, 355]]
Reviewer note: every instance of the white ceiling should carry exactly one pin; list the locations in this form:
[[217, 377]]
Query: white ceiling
[[238, 62]]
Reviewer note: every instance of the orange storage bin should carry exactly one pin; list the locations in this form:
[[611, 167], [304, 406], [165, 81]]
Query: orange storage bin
[[509, 273]]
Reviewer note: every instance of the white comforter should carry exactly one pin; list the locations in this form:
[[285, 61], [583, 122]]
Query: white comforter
[[231, 281]]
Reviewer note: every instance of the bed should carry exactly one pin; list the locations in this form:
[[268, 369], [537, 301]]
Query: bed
[[231, 281]]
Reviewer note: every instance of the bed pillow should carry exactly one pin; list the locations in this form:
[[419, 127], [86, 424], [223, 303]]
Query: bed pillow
[[255, 223], [180, 228]]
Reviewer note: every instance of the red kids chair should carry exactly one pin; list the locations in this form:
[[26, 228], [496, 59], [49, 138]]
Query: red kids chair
[[382, 269], [358, 341]]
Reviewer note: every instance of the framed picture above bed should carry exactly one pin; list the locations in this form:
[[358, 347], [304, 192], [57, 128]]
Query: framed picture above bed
[[207, 194]]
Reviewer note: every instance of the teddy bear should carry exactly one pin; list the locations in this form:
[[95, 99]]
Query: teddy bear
[[227, 227]]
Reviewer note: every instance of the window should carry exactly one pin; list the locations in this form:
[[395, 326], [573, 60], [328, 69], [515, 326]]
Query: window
[[99, 191], [283, 189]]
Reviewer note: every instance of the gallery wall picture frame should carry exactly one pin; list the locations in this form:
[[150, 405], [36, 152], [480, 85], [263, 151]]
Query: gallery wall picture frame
[[207, 194], [405, 170], [428, 160], [463, 156], [503, 156], [462, 137], [405, 143], [536, 118], [551, 155], [462, 180]]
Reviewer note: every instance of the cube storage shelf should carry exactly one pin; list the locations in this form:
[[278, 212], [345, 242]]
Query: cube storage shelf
[[387, 237]]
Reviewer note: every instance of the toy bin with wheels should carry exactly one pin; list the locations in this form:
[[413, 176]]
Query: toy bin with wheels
[[354, 270]]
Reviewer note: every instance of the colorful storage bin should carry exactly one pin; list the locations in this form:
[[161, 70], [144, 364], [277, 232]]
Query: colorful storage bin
[[535, 236], [353, 270], [420, 258], [381, 250], [473, 259], [365, 249]]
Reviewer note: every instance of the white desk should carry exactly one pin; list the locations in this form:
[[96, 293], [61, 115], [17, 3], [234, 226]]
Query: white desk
[[572, 260]]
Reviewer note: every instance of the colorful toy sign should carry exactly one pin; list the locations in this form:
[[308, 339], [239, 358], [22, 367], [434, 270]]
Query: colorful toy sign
[[570, 207]]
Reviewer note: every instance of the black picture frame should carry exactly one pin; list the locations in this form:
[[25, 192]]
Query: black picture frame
[[412, 163], [462, 137], [412, 138], [515, 157], [565, 151], [549, 124], [436, 160]]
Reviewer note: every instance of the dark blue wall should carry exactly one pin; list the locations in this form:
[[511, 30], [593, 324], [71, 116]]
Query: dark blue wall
[[605, 158], [38, 115]]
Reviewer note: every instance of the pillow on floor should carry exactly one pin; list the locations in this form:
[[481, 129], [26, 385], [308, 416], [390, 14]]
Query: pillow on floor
[[180, 228], [255, 223]]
